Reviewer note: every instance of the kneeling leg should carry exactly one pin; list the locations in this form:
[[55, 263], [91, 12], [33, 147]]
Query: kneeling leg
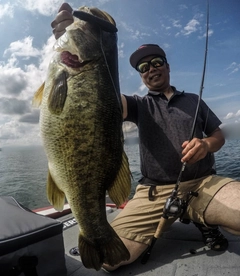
[[224, 208]]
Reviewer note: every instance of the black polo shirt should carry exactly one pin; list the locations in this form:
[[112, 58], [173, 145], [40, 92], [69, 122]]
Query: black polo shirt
[[163, 126]]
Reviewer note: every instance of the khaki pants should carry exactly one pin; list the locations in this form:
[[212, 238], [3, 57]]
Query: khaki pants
[[140, 217]]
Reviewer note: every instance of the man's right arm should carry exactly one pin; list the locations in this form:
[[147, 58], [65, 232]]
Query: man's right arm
[[63, 19]]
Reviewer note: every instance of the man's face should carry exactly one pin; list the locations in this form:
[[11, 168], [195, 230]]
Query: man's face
[[156, 79]]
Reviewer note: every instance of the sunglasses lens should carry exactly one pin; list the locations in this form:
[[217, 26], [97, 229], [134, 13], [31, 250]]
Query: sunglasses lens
[[157, 62], [145, 66]]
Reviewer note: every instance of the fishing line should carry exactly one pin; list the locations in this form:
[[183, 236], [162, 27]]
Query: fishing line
[[103, 26]]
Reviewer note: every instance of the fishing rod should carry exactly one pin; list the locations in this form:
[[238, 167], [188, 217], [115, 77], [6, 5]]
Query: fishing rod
[[174, 205]]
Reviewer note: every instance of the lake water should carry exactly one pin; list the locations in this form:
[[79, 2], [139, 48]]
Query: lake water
[[23, 170]]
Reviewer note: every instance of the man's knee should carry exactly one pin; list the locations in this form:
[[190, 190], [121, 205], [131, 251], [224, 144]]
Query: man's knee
[[135, 249], [224, 208]]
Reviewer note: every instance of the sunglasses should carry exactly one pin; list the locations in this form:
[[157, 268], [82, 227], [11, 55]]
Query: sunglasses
[[144, 66]]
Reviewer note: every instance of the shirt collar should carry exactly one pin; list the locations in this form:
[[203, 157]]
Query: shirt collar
[[175, 91]]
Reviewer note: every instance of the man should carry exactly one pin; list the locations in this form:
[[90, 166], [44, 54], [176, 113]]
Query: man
[[164, 118]]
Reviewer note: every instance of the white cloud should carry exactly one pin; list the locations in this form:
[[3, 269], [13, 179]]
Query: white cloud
[[15, 80], [191, 27], [6, 10], [142, 87], [210, 33], [17, 87], [166, 46], [219, 84], [139, 35], [235, 70], [232, 115], [9, 130], [13, 106], [44, 7], [183, 7], [229, 116], [46, 53], [22, 82], [126, 27], [176, 24], [233, 67], [121, 50], [238, 113], [22, 48], [12, 81], [135, 33], [19, 133]]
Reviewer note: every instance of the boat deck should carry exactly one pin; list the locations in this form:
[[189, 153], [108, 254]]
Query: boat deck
[[179, 252]]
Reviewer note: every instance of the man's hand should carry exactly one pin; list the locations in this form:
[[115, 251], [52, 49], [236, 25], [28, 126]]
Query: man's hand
[[194, 150], [63, 19], [197, 149]]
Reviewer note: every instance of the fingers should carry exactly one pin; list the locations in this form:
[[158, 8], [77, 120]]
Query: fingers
[[194, 150], [66, 7], [64, 13], [57, 34], [185, 144], [63, 19]]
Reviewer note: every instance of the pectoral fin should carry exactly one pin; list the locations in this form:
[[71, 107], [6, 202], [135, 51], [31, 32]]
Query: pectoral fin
[[37, 99], [55, 196], [121, 188], [58, 94]]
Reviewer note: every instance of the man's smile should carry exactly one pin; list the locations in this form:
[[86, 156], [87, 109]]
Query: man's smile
[[156, 76]]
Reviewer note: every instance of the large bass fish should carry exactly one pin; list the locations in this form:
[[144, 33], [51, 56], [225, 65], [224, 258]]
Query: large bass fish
[[81, 129]]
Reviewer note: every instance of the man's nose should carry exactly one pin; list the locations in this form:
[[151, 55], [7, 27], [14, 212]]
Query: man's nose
[[151, 68]]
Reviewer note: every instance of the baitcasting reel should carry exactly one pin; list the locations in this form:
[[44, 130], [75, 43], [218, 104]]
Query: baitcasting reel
[[176, 206]]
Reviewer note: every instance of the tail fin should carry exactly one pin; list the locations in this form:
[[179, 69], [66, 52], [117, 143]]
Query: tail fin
[[94, 255]]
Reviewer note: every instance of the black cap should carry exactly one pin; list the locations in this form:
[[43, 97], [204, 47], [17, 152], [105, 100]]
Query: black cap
[[145, 50]]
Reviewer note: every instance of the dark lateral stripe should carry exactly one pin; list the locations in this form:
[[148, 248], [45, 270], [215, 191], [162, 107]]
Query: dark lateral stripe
[[103, 24]]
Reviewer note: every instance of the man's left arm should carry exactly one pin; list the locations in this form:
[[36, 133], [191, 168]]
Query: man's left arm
[[197, 149]]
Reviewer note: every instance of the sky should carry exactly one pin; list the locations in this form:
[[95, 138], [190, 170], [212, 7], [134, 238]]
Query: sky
[[178, 26]]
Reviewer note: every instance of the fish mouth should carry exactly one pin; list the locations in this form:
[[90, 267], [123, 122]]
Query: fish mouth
[[71, 60]]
